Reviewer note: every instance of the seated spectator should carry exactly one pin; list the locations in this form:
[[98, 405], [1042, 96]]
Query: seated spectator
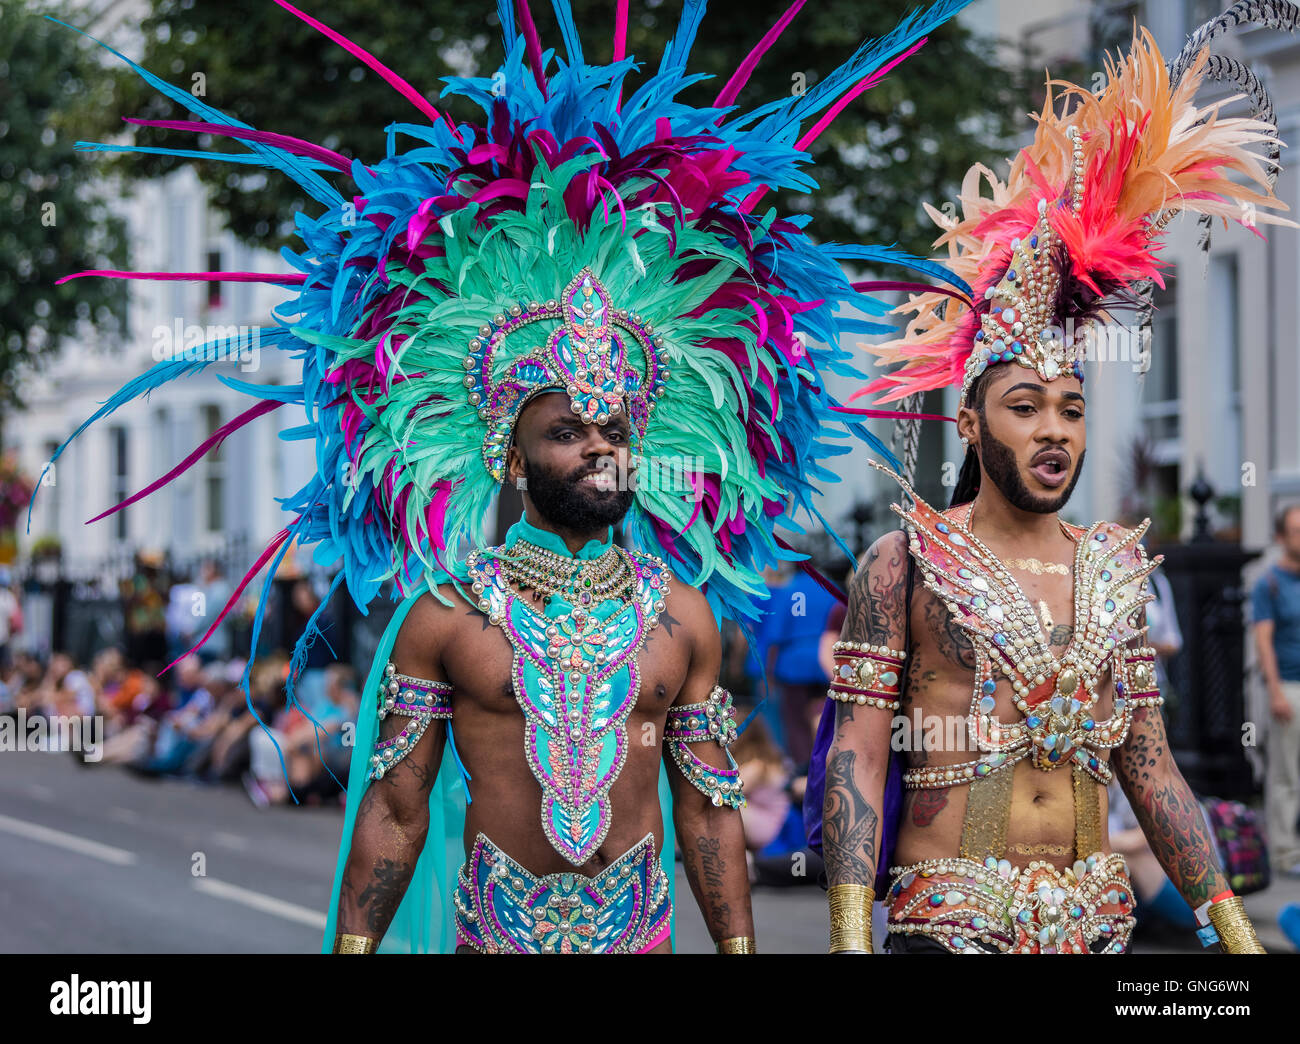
[[230, 754], [766, 773], [142, 701], [311, 749], [23, 679], [65, 690], [107, 677], [179, 730]]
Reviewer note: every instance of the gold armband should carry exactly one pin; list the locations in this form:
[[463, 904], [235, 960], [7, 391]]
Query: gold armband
[[850, 918], [737, 944], [867, 674], [344, 943], [1236, 933]]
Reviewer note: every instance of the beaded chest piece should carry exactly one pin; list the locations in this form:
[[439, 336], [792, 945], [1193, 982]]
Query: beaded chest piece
[[574, 674], [1055, 696]]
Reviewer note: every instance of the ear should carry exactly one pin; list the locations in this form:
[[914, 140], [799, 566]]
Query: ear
[[968, 426], [514, 463]]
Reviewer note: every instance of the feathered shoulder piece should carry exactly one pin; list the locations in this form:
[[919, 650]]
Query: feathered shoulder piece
[[608, 245], [1077, 224]]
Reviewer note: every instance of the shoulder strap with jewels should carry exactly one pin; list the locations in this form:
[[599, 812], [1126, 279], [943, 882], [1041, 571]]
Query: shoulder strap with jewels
[[575, 679]]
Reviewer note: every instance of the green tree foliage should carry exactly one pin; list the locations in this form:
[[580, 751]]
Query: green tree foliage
[[907, 140], [55, 215]]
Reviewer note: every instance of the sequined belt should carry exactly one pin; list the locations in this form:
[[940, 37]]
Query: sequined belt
[[502, 908], [972, 907]]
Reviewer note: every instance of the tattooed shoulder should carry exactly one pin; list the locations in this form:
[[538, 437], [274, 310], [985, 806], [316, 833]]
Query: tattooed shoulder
[[877, 593]]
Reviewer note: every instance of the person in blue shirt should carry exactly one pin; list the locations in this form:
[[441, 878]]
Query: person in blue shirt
[[792, 632], [1276, 610]]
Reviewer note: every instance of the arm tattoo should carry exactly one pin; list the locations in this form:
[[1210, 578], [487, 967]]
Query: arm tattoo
[[706, 869], [875, 610], [848, 825], [713, 873], [1167, 810], [383, 895]]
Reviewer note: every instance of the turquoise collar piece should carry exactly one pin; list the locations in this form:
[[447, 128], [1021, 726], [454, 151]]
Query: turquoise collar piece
[[543, 538]]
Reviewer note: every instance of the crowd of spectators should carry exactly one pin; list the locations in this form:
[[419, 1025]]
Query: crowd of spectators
[[193, 720]]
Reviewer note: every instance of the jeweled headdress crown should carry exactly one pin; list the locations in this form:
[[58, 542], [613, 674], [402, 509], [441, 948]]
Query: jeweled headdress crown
[[587, 355]]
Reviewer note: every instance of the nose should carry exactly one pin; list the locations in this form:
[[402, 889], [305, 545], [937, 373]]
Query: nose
[[597, 444], [1053, 429]]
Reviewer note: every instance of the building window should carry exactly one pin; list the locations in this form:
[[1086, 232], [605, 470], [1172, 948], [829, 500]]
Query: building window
[[118, 470], [214, 288], [214, 473], [1160, 385]]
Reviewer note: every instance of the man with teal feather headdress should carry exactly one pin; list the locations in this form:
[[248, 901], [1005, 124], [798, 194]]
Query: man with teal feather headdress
[[580, 295]]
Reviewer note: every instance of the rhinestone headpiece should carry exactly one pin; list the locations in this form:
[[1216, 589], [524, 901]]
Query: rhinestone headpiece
[[586, 355], [1021, 323]]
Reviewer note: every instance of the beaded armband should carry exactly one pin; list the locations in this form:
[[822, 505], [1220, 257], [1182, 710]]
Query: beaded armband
[[695, 723], [420, 700], [1138, 683], [867, 674]]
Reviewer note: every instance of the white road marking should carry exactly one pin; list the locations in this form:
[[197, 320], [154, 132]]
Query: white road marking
[[230, 840], [258, 901], [40, 791], [124, 815], [36, 832]]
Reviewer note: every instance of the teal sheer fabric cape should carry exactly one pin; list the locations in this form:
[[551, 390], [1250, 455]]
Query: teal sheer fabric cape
[[424, 921]]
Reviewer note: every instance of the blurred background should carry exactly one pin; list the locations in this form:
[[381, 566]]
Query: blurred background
[[1206, 443]]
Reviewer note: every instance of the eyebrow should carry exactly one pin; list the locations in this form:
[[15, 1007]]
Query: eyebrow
[[1038, 389]]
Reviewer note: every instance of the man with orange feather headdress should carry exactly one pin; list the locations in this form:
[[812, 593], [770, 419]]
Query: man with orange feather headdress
[[996, 614]]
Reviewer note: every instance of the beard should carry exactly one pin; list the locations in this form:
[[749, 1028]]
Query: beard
[[565, 501], [999, 461]]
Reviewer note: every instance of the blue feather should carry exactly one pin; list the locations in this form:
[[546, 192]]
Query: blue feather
[[569, 30], [891, 255]]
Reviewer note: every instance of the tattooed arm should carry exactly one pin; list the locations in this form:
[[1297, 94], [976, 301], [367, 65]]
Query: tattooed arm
[[393, 816], [1166, 809], [859, 754], [712, 838]]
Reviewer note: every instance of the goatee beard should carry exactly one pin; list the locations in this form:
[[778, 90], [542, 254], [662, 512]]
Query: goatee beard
[[564, 503], [999, 462]]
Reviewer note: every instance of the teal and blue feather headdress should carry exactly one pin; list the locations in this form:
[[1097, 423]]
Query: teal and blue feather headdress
[[409, 296]]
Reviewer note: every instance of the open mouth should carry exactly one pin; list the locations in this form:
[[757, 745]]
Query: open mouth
[[600, 480], [1051, 467]]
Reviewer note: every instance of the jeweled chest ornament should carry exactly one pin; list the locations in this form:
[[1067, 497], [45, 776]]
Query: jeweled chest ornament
[[1055, 697], [574, 675], [588, 355]]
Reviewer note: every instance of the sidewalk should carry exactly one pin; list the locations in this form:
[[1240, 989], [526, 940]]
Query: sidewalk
[[1264, 907]]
